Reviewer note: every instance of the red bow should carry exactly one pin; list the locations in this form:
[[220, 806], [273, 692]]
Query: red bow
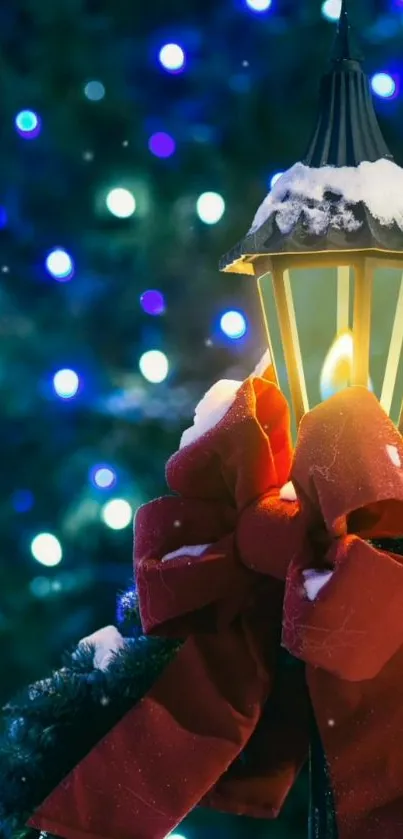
[[224, 694]]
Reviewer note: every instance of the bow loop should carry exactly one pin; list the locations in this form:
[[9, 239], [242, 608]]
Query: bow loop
[[348, 466], [271, 533], [187, 570], [245, 455]]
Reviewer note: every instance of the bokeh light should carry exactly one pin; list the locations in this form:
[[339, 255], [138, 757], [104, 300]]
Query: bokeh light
[[28, 124], [117, 514], [383, 85], [103, 477], [46, 549], [66, 383], [162, 144], [3, 217], [152, 302], [94, 91], [60, 264], [121, 202], [331, 9], [233, 324], [259, 5], [275, 178], [210, 207], [154, 366], [22, 500], [172, 58]]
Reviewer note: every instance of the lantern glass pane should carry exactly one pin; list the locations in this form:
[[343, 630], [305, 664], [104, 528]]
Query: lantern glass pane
[[387, 338], [323, 301]]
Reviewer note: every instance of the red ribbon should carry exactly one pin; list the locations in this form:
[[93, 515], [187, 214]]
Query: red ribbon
[[224, 694]]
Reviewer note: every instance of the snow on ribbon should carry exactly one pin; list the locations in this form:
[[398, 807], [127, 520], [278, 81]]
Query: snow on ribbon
[[216, 404], [188, 550]]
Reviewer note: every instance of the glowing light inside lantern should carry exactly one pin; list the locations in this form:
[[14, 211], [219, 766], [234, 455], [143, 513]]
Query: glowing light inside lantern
[[338, 366]]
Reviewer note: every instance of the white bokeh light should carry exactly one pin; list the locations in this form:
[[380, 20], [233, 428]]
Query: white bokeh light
[[59, 264], [210, 207], [172, 57], [259, 5], [117, 514], [331, 9], [233, 324], [103, 477], [121, 202], [66, 383], [154, 366], [46, 549], [383, 85]]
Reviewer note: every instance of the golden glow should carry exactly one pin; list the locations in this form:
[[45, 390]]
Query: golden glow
[[337, 370], [338, 365]]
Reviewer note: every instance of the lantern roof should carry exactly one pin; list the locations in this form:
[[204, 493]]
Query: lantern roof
[[346, 194]]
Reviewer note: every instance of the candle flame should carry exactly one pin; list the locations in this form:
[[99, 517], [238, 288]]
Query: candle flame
[[338, 366]]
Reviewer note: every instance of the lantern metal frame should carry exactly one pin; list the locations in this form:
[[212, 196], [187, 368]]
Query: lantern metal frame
[[364, 264]]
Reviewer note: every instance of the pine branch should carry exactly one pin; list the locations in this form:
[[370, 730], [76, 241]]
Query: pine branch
[[53, 724]]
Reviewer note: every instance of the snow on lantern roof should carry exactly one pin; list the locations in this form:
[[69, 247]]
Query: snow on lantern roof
[[347, 194]]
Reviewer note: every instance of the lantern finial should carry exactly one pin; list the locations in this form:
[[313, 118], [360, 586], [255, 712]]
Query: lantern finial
[[345, 46]]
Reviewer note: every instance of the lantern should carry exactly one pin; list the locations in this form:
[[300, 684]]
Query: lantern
[[326, 247]]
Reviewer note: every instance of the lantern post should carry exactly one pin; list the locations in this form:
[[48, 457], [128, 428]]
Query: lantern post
[[336, 215]]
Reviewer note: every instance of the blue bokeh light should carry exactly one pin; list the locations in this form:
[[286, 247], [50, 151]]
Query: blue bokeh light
[[66, 383], [22, 500], [28, 124], [152, 302], [60, 264], [274, 178], [103, 477], [384, 85], [95, 91], [233, 324], [172, 58], [162, 144]]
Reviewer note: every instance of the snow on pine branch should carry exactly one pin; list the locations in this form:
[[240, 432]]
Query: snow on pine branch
[[303, 189]]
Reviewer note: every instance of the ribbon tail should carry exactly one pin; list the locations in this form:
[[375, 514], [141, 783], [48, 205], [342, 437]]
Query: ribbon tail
[[191, 726]]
